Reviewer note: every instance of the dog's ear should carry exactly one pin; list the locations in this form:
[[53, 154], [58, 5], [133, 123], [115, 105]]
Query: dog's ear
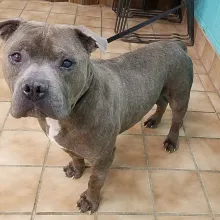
[[91, 40], [8, 27]]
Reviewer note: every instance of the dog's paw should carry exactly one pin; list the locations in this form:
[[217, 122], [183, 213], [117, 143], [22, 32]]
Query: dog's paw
[[170, 146], [151, 123], [71, 172], [86, 204]]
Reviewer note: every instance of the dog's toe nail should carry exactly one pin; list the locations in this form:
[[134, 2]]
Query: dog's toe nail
[[90, 212]]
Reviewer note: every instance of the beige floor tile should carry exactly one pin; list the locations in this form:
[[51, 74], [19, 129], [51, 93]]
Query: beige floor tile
[[199, 101], [207, 83], [174, 189], [1, 72], [199, 124], [89, 11], [9, 13], [1, 51], [125, 217], [64, 217], [96, 30], [4, 106], [200, 41], [118, 47], [215, 72], [108, 13], [22, 148], [64, 8], [39, 6], [88, 21], [184, 218], [193, 53], [18, 188], [147, 29], [181, 28], [108, 32], [211, 181], [136, 129], [59, 193], [55, 18], [5, 94], [135, 46], [199, 67], [208, 56], [13, 4], [22, 124], [56, 156], [215, 99], [165, 28], [107, 56], [19, 0], [206, 152], [15, 217], [96, 54], [164, 126], [124, 186], [158, 158], [34, 16], [108, 23], [197, 84], [130, 151]]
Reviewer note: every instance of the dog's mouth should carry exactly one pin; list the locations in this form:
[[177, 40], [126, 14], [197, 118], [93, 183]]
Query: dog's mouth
[[35, 113]]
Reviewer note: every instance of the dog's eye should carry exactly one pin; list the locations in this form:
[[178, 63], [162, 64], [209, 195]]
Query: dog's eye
[[67, 64], [16, 57]]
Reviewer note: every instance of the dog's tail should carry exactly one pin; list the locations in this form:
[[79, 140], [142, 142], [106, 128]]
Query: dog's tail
[[182, 45]]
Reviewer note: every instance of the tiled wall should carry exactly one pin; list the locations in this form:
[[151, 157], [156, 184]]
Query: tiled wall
[[207, 14]]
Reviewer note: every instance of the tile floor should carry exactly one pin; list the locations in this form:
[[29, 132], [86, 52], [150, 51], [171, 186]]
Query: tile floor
[[145, 183]]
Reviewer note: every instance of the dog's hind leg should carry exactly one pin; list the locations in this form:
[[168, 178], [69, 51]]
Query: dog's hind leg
[[179, 105], [155, 119]]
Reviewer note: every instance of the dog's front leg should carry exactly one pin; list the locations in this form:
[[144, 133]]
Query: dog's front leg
[[89, 200]]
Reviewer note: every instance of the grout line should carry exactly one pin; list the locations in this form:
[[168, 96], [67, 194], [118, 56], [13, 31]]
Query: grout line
[[122, 168], [49, 12], [76, 15], [2, 129], [26, 130], [101, 23], [23, 9], [15, 213], [182, 214], [199, 176], [149, 173], [98, 213], [110, 213], [40, 183]]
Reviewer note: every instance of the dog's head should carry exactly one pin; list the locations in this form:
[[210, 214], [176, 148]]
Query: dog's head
[[46, 66]]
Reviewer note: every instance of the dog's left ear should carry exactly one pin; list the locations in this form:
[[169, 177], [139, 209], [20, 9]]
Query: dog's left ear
[[90, 40], [8, 27]]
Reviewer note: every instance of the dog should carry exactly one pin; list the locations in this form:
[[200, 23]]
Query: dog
[[83, 104]]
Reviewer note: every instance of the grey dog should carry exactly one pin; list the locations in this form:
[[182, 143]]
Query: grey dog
[[83, 104]]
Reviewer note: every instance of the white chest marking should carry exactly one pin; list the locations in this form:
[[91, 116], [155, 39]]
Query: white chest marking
[[54, 129]]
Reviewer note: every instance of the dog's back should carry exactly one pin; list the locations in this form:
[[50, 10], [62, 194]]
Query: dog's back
[[142, 75]]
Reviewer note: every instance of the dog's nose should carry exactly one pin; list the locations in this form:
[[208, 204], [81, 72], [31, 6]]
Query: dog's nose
[[35, 91]]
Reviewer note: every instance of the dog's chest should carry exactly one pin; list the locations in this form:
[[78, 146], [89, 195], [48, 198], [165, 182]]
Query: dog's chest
[[54, 129]]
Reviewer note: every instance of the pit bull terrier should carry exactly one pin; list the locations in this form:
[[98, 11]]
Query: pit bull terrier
[[83, 104]]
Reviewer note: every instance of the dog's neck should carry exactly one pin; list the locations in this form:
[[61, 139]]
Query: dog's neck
[[86, 87]]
